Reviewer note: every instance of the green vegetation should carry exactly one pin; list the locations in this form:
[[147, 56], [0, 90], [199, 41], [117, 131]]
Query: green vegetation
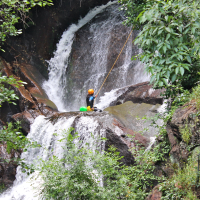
[[6, 93], [169, 39], [186, 133], [11, 134], [196, 96], [15, 11], [182, 184], [14, 138], [81, 173]]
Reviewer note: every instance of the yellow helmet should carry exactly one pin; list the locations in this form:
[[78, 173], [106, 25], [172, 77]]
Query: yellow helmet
[[90, 91]]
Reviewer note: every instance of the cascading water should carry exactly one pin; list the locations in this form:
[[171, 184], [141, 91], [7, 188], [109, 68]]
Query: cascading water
[[55, 86], [61, 83], [70, 78], [43, 132]]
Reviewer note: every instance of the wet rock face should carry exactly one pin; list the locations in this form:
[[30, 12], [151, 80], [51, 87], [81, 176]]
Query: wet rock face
[[32, 102], [7, 170], [140, 93], [183, 133], [37, 43], [130, 114], [110, 127], [95, 48]]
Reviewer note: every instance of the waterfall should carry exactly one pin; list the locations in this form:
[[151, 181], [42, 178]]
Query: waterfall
[[43, 132], [54, 87], [68, 92], [70, 78]]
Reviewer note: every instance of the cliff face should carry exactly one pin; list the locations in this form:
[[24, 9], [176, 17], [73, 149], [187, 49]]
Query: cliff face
[[184, 132], [38, 41], [25, 58]]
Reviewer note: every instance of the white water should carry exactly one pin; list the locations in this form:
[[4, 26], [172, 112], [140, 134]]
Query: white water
[[54, 87], [95, 62], [43, 131]]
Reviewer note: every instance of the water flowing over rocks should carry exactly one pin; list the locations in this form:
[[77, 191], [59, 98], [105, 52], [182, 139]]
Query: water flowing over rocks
[[107, 125], [95, 46], [37, 43]]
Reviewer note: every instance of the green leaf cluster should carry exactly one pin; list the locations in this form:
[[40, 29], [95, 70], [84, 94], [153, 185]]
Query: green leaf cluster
[[14, 138], [133, 10], [16, 11], [169, 39], [181, 185], [6, 94], [84, 174]]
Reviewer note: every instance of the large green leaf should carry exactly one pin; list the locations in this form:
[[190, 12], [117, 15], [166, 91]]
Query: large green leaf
[[182, 70]]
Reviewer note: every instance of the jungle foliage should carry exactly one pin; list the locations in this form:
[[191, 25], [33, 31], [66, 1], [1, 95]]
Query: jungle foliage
[[83, 173], [11, 133], [16, 11], [6, 93], [169, 39]]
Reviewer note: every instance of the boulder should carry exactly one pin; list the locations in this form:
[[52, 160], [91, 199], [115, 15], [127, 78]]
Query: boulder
[[183, 133], [104, 125], [155, 194], [7, 169], [140, 93], [26, 118], [130, 114]]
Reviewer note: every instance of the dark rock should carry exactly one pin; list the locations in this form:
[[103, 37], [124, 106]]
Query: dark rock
[[122, 148], [184, 120], [37, 43], [31, 94], [155, 194], [7, 169], [26, 118], [32, 102], [130, 114], [140, 93]]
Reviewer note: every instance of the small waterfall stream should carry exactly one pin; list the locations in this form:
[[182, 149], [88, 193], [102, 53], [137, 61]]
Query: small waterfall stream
[[57, 89]]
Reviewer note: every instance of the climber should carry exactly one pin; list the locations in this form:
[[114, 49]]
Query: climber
[[90, 101]]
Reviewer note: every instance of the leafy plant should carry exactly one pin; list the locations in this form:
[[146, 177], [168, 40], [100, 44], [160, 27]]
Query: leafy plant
[[15, 11], [186, 133], [14, 138], [169, 40], [182, 184], [196, 96], [7, 94], [133, 9], [84, 174]]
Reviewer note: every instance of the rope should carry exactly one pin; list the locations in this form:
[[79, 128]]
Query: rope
[[115, 62]]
